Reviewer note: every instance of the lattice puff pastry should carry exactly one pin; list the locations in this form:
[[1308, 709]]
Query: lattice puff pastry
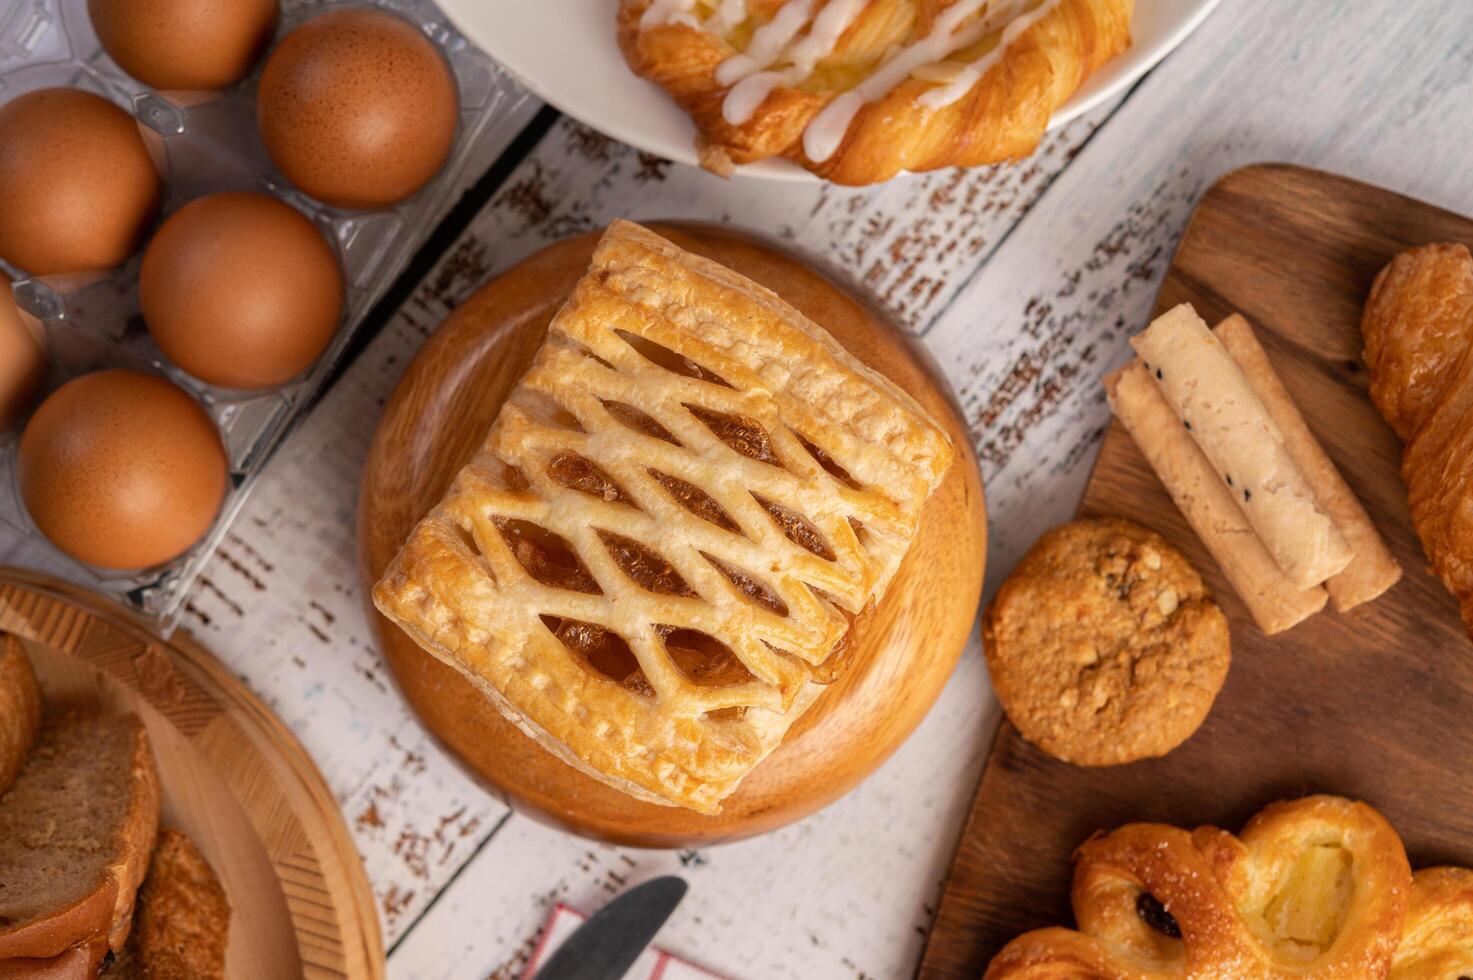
[[1316, 887], [859, 90], [653, 564]]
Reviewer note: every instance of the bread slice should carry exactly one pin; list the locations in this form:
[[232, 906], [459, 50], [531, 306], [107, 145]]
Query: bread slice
[[76, 831], [183, 919], [20, 709]]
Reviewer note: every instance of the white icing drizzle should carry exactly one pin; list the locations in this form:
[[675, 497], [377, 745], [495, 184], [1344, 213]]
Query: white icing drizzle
[[826, 130], [945, 95], [802, 56], [745, 96], [782, 42], [661, 12], [768, 42], [728, 14], [830, 24]]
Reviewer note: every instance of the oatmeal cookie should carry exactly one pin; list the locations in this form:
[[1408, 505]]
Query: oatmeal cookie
[[1104, 646]]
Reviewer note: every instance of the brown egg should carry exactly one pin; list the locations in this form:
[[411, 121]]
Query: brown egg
[[357, 108], [77, 186], [122, 469], [22, 360], [185, 44], [241, 290]]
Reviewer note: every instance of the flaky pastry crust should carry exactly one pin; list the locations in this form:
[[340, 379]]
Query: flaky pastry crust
[[1437, 939], [1418, 332], [925, 121], [653, 564], [1316, 887]]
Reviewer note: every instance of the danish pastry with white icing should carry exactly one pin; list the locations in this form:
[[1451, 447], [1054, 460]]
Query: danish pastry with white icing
[[859, 90]]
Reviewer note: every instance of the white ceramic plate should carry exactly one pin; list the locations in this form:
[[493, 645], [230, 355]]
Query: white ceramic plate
[[565, 52]]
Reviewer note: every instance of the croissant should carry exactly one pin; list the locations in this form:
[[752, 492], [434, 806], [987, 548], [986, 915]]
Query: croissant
[[859, 90], [1418, 332], [1317, 887]]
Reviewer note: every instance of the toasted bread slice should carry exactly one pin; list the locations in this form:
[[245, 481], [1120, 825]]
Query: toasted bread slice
[[76, 831], [20, 709], [183, 920]]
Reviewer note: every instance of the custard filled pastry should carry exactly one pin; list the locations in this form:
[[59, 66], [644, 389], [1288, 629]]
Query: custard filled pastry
[[1312, 888], [859, 90], [655, 563]]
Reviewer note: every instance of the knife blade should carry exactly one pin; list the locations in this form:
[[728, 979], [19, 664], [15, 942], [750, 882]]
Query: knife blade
[[606, 946]]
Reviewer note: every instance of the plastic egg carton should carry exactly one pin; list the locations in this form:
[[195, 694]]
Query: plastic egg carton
[[206, 143]]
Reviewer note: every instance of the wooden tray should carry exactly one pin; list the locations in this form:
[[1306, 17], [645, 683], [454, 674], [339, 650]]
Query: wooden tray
[[438, 417], [233, 778], [1373, 704]]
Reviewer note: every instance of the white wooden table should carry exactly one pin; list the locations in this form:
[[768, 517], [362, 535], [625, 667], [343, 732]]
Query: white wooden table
[[1023, 281]]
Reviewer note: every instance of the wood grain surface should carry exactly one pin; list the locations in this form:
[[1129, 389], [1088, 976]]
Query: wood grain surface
[[232, 778], [1370, 704], [437, 418]]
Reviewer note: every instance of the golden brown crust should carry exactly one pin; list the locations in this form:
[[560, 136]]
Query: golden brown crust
[[1418, 331], [1437, 939], [1316, 887], [1417, 328], [20, 709], [183, 921], [85, 922], [136, 836], [1104, 646], [672, 524], [78, 963], [1001, 117]]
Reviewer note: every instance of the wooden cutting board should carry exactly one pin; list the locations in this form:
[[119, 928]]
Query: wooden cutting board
[[232, 777], [437, 418], [1373, 704]]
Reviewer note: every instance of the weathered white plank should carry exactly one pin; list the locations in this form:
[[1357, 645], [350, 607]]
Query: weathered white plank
[[913, 242], [280, 605]]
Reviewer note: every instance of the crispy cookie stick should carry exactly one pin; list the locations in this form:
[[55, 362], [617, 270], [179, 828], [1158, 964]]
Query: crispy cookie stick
[[1213, 400], [1275, 603], [1373, 570]]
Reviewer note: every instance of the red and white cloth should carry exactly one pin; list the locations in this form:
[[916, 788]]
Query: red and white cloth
[[653, 964]]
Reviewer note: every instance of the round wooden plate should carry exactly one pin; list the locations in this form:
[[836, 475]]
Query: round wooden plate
[[437, 418], [233, 778]]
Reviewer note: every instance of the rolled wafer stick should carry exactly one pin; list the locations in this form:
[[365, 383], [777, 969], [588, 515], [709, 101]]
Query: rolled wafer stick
[[1204, 499], [1373, 570], [1209, 394]]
